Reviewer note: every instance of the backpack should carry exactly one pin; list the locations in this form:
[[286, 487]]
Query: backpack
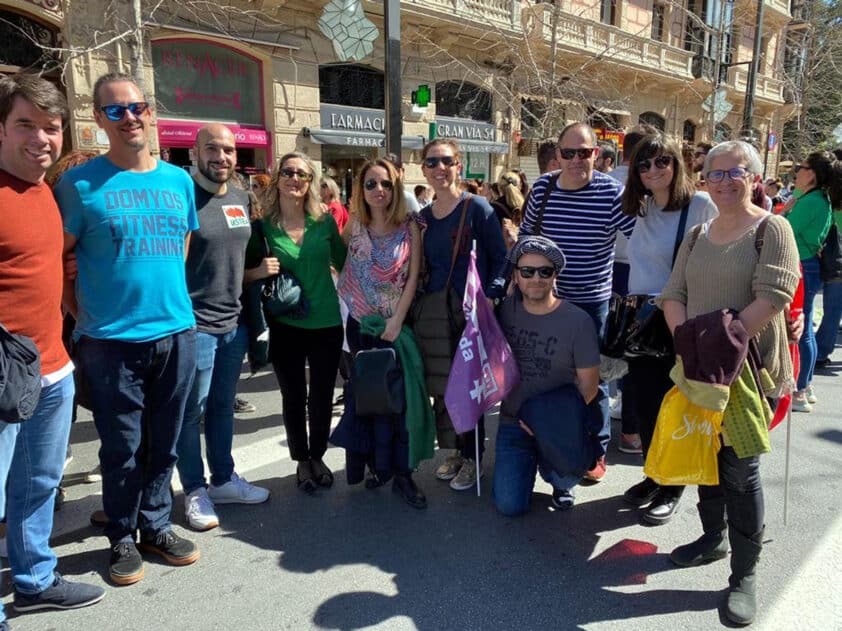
[[830, 256]]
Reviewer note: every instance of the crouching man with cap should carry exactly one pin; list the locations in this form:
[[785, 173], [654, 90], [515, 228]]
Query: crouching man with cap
[[544, 424]]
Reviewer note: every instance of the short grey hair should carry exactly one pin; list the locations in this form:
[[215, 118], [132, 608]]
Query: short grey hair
[[745, 151]]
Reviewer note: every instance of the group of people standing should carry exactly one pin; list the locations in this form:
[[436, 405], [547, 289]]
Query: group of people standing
[[152, 263]]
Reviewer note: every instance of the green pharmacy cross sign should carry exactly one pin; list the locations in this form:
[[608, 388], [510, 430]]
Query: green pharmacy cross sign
[[421, 97]]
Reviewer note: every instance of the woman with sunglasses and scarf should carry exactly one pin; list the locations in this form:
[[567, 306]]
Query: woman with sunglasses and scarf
[[379, 279], [303, 240], [441, 165], [658, 189], [818, 182]]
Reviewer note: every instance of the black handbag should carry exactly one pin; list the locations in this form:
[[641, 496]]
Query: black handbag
[[378, 383], [281, 294], [830, 257], [635, 326]]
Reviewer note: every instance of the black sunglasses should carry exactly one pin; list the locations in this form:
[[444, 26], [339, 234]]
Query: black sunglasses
[[371, 184], [798, 167], [662, 162], [433, 161], [291, 173], [584, 153], [544, 272], [116, 111]]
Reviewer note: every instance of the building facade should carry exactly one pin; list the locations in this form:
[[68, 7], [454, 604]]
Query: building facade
[[501, 73]]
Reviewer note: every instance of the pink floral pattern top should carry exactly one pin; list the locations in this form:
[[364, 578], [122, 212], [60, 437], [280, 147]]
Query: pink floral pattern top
[[375, 271]]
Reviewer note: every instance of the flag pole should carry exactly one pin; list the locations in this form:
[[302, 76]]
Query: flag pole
[[476, 429], [786, 465]]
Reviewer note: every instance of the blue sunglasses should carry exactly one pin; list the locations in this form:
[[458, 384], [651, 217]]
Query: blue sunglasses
[[115, 112]]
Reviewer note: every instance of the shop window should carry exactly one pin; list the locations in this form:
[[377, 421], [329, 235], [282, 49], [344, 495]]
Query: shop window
[[723, 132], [25, 43], [461, 99], [651, 118], [688, 132], [352, 85]]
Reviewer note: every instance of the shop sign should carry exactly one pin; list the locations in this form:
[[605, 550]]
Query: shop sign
[[205, 81], [617, 137], [351, 119], [183, 133], [460, 129]]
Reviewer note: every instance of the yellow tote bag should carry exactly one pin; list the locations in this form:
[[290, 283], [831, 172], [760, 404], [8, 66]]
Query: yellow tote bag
[[685, 443]]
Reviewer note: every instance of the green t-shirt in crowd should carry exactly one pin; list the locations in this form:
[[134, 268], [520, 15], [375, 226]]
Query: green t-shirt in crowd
[[810, 221], [310, 263]]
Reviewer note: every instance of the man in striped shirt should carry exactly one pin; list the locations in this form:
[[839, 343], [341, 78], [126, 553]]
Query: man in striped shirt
[[582, 214]]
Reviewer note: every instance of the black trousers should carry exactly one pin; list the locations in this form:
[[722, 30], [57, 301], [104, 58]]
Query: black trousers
[[739, 492], [289, 348], [644, 388]]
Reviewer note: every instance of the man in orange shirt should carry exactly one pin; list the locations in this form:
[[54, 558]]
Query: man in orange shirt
[[32, 114]]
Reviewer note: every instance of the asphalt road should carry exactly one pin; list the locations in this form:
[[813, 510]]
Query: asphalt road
[[351, 558]]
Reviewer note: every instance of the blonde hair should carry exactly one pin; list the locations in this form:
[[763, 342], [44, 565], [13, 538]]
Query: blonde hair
[[332, 186], [397, 211], [272, 198], [509, 185]]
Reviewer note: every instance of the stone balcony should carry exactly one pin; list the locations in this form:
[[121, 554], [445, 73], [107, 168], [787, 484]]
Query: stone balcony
[[578, 35], [495, 13], [766, 88]]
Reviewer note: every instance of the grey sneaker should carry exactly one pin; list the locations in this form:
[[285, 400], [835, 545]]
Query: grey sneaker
[[467, 476], [241, 406], [450, 467], [61, 594]]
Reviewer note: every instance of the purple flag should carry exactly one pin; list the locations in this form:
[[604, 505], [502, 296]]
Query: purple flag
[[484, 370]]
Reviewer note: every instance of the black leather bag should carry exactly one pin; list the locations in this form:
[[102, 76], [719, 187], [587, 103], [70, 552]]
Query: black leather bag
[[635, 326], [281, 294], [378, 383], [830, 258]]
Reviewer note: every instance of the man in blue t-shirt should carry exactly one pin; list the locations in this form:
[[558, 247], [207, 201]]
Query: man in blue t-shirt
[[128, 218]]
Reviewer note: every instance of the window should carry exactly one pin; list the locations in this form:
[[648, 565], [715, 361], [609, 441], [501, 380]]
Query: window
[[353, 85], [24, 43], [463, 100], [532, 115], [651, 118], [608, 12], [658, 18], [688, 132], [603, 120]]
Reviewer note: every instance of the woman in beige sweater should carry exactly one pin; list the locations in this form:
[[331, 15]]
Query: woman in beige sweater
[[723, 270]]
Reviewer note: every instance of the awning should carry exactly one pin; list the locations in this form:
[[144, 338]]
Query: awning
[[172, 133], [482, 146], [355, 138]]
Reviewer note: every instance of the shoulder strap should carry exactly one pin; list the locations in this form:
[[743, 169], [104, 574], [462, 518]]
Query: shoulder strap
[[759, 235], [465, 204], [539, 220], [257, 226], [682, 226]]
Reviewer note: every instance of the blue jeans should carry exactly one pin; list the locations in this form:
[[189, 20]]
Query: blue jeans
[[138, 394], [829, 328], [219, 358], [31, 465], [599, 406], [807, 344], [517, 462]]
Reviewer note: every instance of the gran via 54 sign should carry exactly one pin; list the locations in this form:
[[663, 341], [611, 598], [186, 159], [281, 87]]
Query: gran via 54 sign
[[206, 81]]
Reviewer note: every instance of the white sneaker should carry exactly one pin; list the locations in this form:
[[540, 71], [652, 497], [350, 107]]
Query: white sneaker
[[616, 407], [199, 510], [238, 491], [800, 402], [94, 475], [467, 476], [811, 395]]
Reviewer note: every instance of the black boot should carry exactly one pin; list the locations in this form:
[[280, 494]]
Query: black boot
[[745, 552], [405, 486], [712, 545]]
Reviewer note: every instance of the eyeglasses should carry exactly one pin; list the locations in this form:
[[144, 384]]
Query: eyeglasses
[[737, 173], [289, 173], [544, 272], [798, 167], [116, 111], [371, 184], [433, 161], [662, 162], [584, 153]]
